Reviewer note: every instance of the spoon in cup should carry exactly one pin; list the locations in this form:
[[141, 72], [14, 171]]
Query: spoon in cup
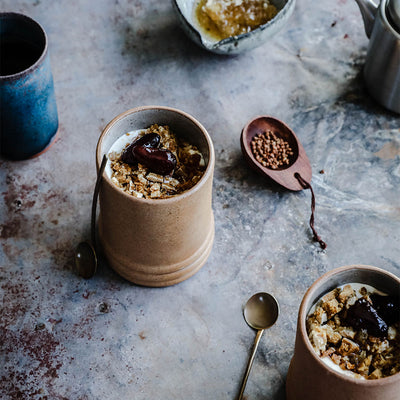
[[260, 312], [85, 253]]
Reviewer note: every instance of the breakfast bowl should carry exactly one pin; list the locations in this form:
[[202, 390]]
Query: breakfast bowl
[[186, 11], [156, 241], [313, 375]]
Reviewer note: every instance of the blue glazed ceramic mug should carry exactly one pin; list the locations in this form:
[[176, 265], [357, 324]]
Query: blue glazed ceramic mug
[[28, 110]]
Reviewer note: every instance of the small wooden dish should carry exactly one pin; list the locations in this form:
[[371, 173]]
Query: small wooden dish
[[298, 162]]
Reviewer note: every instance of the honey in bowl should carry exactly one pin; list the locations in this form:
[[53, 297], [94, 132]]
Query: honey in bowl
[[221, 19]]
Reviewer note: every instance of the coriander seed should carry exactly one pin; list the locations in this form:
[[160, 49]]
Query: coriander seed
[[270, 150]]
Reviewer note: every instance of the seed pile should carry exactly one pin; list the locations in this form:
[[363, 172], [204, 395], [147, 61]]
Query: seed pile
[[270, 150]]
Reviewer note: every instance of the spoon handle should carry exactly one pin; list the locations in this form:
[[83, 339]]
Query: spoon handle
[[250, 363], [94, 202]]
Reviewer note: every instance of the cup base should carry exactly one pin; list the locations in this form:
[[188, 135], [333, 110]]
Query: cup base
[[167, 275], [52, 141], [29, 157]]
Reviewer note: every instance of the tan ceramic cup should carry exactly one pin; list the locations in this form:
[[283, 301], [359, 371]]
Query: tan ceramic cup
[[157, 242], [308, 377]]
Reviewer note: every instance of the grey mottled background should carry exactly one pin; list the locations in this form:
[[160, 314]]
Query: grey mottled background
[[189, 341]]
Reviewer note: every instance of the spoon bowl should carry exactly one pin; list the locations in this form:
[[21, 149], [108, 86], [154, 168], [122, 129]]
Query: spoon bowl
[[298, 161], [260, 312], [85, 260]]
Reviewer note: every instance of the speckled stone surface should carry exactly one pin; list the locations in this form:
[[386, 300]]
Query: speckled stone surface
[[67, 338]]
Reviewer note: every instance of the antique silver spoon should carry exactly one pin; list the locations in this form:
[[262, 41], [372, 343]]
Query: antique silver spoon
[[260, 312], [85, 253]]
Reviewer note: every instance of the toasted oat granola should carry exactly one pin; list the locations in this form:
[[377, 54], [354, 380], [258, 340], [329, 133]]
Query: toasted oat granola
[[140, 182], [355, 350]]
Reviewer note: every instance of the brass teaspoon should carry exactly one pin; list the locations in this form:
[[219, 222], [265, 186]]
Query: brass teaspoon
[[260, 312]]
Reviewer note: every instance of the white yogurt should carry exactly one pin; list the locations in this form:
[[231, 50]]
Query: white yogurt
[[118, 147], [328, 361]]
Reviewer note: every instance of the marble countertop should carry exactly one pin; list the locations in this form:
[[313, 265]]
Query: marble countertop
[[63, 337]]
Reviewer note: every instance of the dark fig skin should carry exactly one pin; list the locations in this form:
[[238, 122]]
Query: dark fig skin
[[149, 140], [160, 161], [387, 307], [361, 315]]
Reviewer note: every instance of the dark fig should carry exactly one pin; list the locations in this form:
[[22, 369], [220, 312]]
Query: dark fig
[[361, 315], [160, 161], [127, 156], [149, 140], [387, 307]]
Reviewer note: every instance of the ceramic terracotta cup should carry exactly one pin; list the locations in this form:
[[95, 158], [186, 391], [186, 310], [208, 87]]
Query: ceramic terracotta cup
[[308, 377], [157, 242]]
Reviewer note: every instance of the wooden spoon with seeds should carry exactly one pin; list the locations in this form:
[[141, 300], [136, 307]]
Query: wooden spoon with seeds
[[285, 175], [296, 174]]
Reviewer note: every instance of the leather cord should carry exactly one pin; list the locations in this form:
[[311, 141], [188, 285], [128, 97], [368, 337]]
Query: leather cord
[[307, 185]]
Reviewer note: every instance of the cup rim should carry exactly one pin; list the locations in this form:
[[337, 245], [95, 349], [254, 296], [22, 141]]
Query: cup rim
[[303, 315], [35, 65], [208, 171]]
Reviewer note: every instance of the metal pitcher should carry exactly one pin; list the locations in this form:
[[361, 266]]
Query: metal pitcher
[[382, 65]]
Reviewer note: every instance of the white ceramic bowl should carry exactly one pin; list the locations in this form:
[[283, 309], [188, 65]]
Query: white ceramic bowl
[[185, 10]]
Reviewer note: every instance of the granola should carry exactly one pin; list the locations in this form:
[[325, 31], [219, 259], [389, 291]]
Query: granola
[[141, 182], [357, 331]]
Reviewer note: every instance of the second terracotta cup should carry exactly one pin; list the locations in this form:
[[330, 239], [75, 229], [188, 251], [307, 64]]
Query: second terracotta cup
[[309, 378], [157, 242]]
